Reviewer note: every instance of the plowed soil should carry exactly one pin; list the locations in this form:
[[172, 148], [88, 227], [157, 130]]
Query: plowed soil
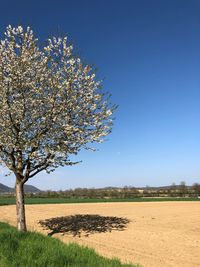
[[160, 234]]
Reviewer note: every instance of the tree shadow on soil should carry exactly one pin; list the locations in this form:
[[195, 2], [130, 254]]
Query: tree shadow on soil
[[84, 224]]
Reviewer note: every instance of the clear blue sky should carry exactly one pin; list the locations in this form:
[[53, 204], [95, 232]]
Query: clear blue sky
[[148, 51]]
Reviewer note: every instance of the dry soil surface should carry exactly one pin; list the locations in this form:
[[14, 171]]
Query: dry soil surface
[[163, 234]]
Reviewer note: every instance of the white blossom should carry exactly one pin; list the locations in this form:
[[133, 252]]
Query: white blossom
[[51, 105]]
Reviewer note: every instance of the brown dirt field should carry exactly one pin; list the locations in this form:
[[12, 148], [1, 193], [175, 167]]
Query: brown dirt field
[[163, 234]]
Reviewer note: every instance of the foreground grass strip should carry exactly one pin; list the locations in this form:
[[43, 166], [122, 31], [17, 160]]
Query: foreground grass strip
[[36, 200], [30, 249]]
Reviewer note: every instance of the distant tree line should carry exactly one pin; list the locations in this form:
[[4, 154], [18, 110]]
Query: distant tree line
[[181, 190]]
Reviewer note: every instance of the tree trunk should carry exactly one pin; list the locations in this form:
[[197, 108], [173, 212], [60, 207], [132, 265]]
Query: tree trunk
[[21, 219]]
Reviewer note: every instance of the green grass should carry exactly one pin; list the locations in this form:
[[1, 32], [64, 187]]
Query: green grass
[[18, 249], [36, 200]]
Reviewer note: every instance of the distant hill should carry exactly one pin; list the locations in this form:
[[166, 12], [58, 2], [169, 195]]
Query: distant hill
[[27, 188], [5, 189], [31, 189]]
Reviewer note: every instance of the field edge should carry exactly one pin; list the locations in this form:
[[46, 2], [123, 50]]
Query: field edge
[[25, 248]]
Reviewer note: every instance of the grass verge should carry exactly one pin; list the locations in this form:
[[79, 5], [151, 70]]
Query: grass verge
[[18, 249]]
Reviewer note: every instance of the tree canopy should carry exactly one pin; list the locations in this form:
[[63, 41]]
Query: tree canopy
[[51, 104]]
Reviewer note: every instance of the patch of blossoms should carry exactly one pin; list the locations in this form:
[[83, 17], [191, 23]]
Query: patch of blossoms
[[51, 104]]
